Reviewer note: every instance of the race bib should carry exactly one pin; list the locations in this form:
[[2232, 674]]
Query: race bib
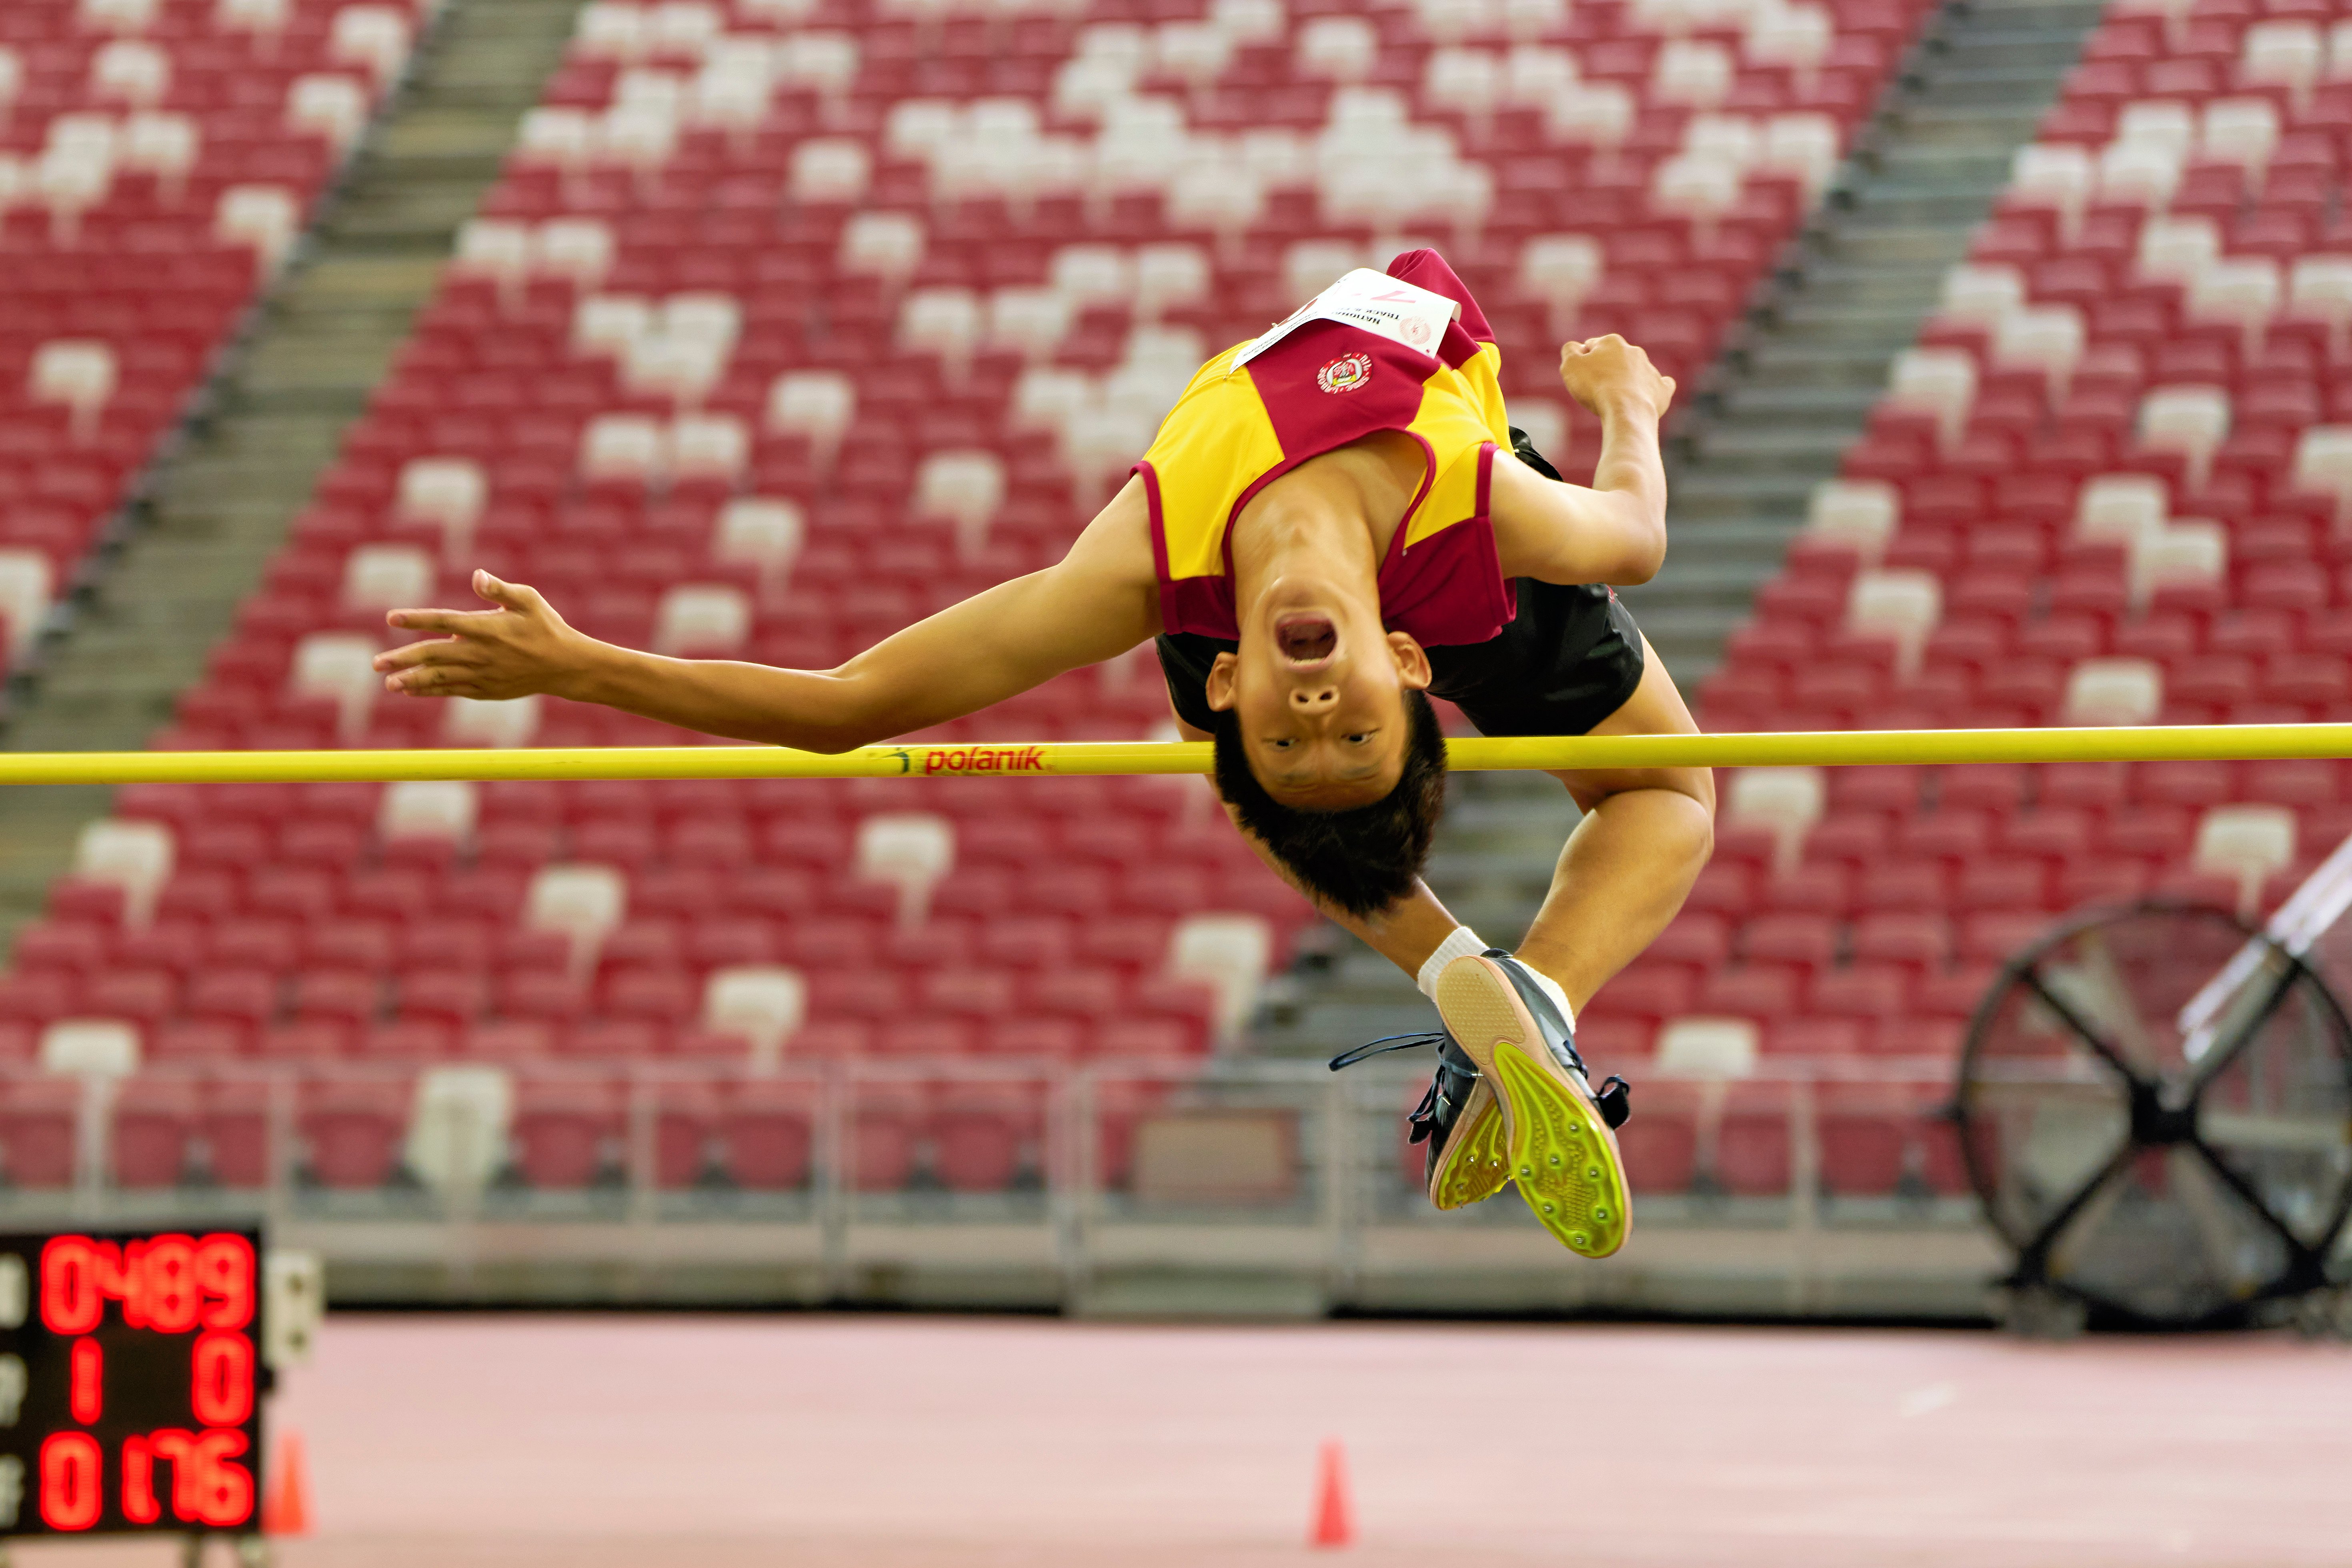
[[1400, 311]]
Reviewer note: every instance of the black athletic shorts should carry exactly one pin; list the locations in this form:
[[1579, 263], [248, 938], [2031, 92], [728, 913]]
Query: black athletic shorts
[[1571, 657]]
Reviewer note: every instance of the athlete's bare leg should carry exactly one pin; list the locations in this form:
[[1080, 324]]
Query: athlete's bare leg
[[1625, 870]]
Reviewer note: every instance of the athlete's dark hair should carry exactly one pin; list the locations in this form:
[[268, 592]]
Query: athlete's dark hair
[[1361, 859]]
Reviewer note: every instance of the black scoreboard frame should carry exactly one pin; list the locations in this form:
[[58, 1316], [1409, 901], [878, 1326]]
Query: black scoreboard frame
[[131, 1380]]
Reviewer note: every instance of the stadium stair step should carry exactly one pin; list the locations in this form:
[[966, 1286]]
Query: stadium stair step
[[1733, 500], [219, 506], [1790, 392], [1865, 322]]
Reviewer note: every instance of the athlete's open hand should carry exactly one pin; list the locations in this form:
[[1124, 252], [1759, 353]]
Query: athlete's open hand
[[1610, 375], [520, 648]]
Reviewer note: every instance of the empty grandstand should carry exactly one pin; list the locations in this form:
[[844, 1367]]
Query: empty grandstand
[[763, 328]]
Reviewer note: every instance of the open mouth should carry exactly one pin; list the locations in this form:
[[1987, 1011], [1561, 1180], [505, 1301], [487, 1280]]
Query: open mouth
[[1306, 639]]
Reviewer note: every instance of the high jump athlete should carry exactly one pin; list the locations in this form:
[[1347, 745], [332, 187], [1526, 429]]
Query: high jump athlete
[[1334, 522]]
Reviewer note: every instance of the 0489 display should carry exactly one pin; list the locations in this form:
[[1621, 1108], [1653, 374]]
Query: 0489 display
[[131, 1381]]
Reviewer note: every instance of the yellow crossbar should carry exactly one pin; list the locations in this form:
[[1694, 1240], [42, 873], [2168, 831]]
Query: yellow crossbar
[[1827, 748]]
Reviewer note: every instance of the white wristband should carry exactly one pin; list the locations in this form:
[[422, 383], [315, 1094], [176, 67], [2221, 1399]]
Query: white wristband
[[1461, 943]]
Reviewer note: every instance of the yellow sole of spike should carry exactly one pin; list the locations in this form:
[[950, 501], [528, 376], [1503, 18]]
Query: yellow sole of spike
[[1479, 1165], [1563, 1159]]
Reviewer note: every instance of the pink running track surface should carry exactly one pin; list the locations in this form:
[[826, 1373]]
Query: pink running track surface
[[891, 1443]]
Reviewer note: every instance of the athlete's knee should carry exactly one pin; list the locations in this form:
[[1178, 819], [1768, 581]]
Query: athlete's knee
[[1699, 785], [1692, 801], [1702, 846], [1674, 816]]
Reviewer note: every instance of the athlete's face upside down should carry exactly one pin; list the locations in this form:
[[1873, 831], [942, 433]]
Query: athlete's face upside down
[[1317, 690]]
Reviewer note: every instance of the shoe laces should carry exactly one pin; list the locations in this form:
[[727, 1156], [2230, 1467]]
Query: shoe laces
[[1422, 1118], [1386, 1044], [1434, 1101]]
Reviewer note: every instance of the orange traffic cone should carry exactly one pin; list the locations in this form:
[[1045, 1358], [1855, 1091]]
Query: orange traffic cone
[[1335, 1520], [286, 1510]]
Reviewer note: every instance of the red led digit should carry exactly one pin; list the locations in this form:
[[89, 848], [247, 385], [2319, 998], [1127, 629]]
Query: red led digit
[[106, 1271], [221, 1385], [69, 1480], [139, 1504], [164, 1286], [171, 1445], [126, 1284], [223, 1490], [223, 1269], [86, 1385], [71, 1301]]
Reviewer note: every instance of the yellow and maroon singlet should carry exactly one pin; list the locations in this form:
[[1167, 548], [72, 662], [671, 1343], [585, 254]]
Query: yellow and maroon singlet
[[1325, 385]]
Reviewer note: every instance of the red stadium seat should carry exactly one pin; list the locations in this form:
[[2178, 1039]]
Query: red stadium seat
[[153, 1120], [351, 1132], [980, 1131], [37, 1131], [766, 1131], [231, 1141], [568, 1130], [1862, 1154], [885, 1124], [1752, 1154]]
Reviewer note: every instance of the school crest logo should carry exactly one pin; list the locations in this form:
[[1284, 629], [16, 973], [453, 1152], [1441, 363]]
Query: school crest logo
[[1344, 374]]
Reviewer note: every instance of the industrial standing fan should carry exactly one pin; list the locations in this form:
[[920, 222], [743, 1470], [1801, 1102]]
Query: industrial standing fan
[[2155, 1106]]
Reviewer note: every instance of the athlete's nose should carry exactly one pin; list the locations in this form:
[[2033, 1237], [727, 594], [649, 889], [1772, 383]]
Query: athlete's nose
[[1314, 698]]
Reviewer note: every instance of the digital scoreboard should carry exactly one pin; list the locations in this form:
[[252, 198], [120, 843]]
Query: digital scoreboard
[[131, 1381]]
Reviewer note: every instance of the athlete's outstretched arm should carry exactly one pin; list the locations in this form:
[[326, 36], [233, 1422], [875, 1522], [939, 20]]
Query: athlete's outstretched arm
[[1615, 529], [1098, 602]]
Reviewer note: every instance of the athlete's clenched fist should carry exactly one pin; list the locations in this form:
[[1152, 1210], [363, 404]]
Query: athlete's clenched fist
[[1609, 376]]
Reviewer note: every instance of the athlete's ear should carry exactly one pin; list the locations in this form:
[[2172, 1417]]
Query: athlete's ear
[[1220, 689], [1413, 664]]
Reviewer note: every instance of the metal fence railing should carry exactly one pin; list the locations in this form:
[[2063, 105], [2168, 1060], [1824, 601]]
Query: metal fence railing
[[1062, 1169]]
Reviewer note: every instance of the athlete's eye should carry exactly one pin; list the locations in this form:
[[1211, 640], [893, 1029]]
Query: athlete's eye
[[1359, 737], [1283, 745]]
